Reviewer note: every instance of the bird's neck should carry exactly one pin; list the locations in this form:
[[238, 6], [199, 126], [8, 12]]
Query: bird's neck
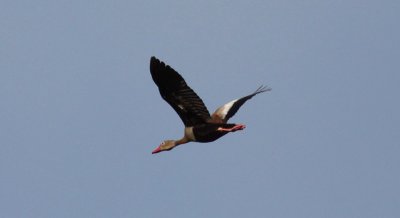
[[181, 141], [187, 137]]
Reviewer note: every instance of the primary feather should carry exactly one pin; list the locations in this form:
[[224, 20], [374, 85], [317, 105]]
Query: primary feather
[[178, 94]]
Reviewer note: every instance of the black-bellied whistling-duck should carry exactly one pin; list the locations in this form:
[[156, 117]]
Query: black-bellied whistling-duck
[[199, 125]]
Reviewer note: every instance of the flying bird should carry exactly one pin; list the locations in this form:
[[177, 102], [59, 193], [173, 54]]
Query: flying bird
[[200, 126]]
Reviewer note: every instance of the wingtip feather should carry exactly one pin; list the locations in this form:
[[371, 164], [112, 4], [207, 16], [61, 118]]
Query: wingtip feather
[[262, 88]]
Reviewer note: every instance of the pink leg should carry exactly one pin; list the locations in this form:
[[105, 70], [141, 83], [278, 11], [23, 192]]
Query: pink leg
[[238, 127], [233, 129]]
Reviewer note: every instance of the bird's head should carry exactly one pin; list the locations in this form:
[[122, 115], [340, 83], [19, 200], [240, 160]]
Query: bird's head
[[165, 146]]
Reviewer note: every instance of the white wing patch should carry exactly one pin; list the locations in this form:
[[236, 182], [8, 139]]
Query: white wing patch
[[223, 111]]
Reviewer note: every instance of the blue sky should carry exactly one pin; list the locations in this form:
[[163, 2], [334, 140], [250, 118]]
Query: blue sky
[[80, 114]]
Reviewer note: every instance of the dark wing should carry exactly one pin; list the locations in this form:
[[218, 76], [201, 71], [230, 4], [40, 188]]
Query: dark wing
[[226, 111], [178, 94]]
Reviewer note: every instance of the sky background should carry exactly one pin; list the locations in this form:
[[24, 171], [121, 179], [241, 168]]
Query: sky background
[[80, 114]]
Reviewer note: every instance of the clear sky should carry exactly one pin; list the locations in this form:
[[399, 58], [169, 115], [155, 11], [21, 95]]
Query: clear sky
[[80, 114]]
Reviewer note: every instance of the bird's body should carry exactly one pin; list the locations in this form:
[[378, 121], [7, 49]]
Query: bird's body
[[208, 132], [200, 126]]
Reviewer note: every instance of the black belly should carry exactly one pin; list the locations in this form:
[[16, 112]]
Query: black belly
[[208, 132]]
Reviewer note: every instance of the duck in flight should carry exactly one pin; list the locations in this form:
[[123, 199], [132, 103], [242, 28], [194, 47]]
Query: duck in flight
[[200, 126]]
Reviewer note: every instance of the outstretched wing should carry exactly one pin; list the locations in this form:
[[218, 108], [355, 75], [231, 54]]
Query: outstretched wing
[[226, 111], [178, 94]]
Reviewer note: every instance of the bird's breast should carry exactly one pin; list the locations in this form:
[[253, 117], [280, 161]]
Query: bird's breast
[[189, 133]]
